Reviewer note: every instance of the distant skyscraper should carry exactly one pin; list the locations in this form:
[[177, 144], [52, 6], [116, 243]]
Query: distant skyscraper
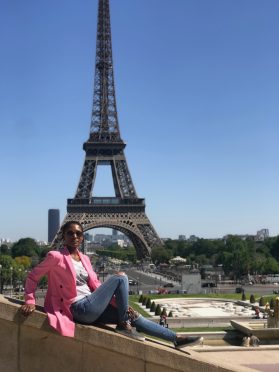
[[114, 235], [181, 237], [53, 223]]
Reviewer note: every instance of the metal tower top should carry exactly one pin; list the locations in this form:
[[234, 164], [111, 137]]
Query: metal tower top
[[104, 121]]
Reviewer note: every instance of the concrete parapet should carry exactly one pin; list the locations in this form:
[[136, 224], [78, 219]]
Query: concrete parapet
[[257, 328], [30, 344]]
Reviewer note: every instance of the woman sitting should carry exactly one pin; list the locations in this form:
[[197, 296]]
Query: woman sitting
[[75, 294]]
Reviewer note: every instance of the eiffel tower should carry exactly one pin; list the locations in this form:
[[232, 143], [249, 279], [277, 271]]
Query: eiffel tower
[[124, 212]]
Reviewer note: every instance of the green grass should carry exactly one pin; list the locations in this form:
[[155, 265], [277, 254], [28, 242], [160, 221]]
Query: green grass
[[135, 306]]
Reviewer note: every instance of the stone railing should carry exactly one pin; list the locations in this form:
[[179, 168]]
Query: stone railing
[[29, 344]]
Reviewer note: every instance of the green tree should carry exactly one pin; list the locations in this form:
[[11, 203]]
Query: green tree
[[160, 255], [252, 299], [148, 303], [271, 266], [23, 261], [153, 306], [25, 247], [4, 249], [11, 272], [262, 301], [274, 249], [44, 251], [239, 259], [144, 301], [158, 310]]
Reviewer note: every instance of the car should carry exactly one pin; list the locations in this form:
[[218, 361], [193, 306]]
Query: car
[[162, 291], [132, 282], [276, 291], [209, 285], [238, 290], [168, 285]]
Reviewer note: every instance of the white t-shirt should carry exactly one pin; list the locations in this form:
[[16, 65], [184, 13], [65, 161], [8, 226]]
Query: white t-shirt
[[81, 280]]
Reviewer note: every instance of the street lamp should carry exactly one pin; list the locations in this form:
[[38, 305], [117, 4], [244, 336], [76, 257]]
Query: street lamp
[[11, 281], [138, 285], [19, 282], [0, 279]]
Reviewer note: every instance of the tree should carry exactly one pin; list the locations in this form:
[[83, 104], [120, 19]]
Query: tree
[[252, 299], [158, 310], [25, 247], [23, 261], [271, 266], [11, 272], [4, 249], [153, 306], [148, 303], [262, 301], [144, 301], [275, 248], [239, 259], [160, 255], [44, 251]]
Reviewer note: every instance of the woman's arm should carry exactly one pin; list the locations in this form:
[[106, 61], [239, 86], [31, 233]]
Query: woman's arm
[[32, 281]]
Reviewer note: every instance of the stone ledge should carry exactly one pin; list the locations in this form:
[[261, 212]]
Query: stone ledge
[[36, 346]]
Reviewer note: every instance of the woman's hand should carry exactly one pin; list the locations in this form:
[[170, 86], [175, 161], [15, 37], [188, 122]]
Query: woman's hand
[[27, 309], [120, 273]]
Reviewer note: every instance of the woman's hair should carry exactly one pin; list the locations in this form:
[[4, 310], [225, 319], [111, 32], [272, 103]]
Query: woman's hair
[[68, 224]]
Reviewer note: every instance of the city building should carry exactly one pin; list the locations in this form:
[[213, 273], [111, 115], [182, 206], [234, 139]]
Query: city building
[[193, 238], [191, 282], [88, 237], [181, 237], [53, 223], [114, 236]]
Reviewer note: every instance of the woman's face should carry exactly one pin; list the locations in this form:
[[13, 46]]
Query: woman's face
[[73, 236]]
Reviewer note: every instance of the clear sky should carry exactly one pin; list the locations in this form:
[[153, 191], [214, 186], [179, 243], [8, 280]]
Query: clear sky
[[197, 92]]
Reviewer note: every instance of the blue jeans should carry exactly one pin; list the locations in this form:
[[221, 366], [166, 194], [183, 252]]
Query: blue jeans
[[88, 309], [96, 308]]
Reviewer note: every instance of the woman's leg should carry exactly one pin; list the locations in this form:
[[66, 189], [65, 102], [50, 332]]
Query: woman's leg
[[89, 309], [153, 329], [109, 316]]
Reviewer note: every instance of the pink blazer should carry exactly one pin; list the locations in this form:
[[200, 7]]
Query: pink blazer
[[61, 291]]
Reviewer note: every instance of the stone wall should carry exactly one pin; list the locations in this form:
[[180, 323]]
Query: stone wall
[[29, 344]]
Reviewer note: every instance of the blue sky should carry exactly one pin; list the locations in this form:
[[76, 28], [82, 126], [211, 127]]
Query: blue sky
[[197, 94]]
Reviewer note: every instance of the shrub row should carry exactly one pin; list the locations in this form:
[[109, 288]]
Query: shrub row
[[146, 301]]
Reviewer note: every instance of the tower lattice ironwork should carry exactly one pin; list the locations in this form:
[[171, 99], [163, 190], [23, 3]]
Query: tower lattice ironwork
[[124, 212]]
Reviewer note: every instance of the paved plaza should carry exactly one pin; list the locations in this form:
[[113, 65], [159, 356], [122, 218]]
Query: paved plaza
[[187, 307]]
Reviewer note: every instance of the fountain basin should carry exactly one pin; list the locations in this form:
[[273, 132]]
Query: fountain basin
[[257, 328]]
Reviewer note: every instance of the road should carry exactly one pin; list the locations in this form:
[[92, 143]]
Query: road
[[148, 282]]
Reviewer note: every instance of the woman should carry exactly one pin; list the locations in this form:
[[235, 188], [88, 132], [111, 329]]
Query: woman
[[76, 295]]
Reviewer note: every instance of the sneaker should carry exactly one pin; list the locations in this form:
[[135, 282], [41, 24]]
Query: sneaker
[[187, 341], [129, 331]]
